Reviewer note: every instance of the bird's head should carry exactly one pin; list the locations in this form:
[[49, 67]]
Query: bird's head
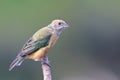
[[59, 24]]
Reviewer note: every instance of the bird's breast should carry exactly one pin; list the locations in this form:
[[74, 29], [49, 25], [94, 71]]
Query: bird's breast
[[53, 39]]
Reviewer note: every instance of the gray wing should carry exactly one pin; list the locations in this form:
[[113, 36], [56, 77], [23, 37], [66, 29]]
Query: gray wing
[[31, 46]]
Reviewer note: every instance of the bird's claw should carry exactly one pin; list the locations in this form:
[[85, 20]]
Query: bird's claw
[[43, 61]]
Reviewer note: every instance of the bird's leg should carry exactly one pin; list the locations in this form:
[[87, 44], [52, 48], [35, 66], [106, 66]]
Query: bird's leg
[[46, 68], [45, 60]]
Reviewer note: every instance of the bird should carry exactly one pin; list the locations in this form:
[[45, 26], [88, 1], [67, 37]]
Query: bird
[[40, 43]]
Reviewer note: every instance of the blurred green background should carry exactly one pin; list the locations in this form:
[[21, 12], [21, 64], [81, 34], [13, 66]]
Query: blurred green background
[[88, 50]]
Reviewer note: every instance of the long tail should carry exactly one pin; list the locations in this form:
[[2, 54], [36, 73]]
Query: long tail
[[17, 62]]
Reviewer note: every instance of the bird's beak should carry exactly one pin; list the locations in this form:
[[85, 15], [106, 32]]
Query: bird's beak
[[66, 26]]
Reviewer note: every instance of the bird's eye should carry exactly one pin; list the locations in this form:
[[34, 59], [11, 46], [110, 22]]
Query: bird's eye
[[59, 23]]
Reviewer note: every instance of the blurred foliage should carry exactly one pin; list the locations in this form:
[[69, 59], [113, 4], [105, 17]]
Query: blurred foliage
[[88, 50]]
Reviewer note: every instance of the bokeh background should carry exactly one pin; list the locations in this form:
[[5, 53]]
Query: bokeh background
[[88, 50]]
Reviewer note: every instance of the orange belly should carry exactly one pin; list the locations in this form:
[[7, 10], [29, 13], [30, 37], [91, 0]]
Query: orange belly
[[38, 54]]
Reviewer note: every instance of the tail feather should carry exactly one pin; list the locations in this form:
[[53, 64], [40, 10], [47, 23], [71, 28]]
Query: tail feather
[[17, 62]]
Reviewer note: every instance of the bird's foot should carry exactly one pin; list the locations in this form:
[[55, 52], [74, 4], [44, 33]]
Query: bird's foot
[[45, 61]]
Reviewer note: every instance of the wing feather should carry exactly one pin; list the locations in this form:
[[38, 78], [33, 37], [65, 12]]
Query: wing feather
[[31, 46]]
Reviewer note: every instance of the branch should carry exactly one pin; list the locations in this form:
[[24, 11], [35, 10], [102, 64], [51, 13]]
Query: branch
[[46, 68]]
